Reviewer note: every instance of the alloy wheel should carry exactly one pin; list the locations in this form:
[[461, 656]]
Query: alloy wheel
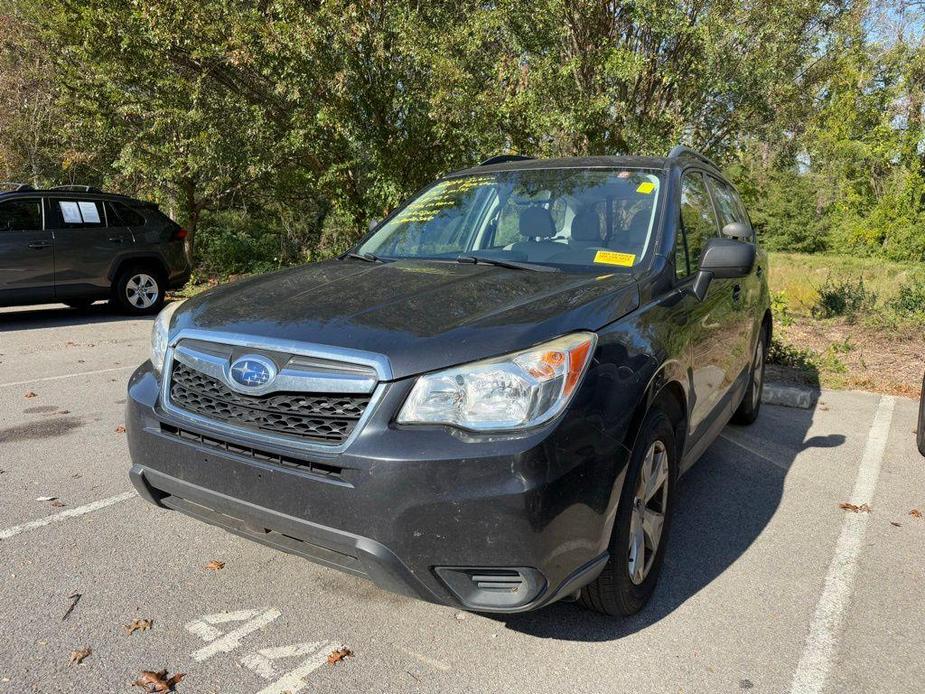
[[648, 517], [141, 290]]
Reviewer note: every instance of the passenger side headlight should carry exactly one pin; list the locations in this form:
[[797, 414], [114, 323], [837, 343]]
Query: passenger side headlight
[[516, 391], [160, 335]]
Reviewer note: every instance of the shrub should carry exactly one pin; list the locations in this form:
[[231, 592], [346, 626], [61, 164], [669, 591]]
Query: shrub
[[910, 300], [793, 357], [780, 309], [843, 297]]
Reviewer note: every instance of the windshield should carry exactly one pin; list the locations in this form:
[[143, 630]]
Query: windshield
[[574, 219]]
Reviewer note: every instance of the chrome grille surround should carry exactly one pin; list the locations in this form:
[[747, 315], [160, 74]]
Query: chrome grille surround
[[341, 383]]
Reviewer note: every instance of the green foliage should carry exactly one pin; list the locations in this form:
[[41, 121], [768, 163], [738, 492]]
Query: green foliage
[[910, 301], [784, 354], [843, 297], [300, 121], [780, 309]]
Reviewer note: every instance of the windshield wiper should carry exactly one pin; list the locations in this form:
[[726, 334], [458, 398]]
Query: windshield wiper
[[368, 257], [512, 264]]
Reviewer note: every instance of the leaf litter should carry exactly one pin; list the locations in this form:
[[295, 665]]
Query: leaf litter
[[138, 625], [158, 682], [339, 654], [78, 656], [854, 508]]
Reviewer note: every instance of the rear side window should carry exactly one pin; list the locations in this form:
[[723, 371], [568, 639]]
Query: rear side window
[[21, 215], [123, 215], [698, 223], [76, 214]]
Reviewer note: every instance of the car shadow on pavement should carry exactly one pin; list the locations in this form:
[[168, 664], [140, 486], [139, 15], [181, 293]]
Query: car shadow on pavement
[[724, 503], [59, 316]]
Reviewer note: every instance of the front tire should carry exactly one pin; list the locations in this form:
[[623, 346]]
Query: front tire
[[640, 532], [751, 401], [139, 290]]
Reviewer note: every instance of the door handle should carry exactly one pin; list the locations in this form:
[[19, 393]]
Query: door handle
[[117, 239], [39, 245], [736, 292]]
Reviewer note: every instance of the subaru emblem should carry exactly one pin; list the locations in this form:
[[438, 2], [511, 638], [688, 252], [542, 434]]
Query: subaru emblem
[[252, 371]]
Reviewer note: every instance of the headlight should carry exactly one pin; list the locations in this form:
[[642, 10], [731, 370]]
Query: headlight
[[516, 391], [160, 334]]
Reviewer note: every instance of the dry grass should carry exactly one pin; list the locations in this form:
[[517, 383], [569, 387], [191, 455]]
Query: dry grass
[[799, 276]]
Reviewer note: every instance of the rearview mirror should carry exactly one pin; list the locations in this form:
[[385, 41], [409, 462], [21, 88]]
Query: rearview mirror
[[738, 231], [722, 259]]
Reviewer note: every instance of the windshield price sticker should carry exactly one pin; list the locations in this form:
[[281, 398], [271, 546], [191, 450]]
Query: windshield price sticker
[[615, 258], [645, 187]]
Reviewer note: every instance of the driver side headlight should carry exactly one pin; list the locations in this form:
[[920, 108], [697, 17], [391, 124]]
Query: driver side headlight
[[516, 391], [160, 335]]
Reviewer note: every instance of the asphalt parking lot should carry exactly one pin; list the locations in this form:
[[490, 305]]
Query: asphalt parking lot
[[768, 586]]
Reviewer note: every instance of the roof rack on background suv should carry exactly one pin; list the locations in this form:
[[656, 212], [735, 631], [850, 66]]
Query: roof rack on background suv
[[682, 150], [15, 187], [72, 188], [501, 158]]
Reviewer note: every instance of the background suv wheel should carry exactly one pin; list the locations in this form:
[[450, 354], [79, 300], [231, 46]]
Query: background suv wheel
[[139, 290]]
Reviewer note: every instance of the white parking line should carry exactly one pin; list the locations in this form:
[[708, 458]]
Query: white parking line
[[56, 378], [64, 515], [816, 661]]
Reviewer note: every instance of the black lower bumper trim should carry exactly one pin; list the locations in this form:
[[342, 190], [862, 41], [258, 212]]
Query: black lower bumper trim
[[337, 549]]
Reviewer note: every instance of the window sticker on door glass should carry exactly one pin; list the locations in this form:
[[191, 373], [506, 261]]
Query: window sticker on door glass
[[614, 258], [70, 212], [89, 212]]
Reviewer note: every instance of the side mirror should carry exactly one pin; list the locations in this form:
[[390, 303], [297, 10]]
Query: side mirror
[[373, 223], [722, 259], [738, 231]]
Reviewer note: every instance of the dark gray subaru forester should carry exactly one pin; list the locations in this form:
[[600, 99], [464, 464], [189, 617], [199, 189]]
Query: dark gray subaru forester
[[489, 401]]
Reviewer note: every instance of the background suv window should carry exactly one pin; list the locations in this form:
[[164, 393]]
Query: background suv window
[[21, 215], [698, 223], [123, 215], [76, 214]]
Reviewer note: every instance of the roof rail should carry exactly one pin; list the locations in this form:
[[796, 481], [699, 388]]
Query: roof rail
[[77, 189], [501, 158], [16, 187], [681, 150]]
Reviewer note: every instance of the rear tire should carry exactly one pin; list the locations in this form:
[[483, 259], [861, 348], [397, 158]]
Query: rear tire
[[139, 290], [751, 401], [631, 573]]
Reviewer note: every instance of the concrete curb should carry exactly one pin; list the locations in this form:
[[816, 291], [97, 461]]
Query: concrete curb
[[789, 396]]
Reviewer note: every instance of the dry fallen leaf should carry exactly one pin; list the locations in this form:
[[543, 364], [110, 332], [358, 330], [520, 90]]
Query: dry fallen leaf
[[30, 395], [157, 682], [138, 625], [898, 525], [63, 412], [57, 503], [863, 508], [915, 513], [215, 565], [77, 657], [339, 654], [120, 429]]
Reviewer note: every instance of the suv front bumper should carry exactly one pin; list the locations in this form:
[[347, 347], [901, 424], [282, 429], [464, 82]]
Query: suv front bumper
[[504, 524]]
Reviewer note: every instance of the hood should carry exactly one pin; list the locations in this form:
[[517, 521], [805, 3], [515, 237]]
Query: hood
[[421, 315]]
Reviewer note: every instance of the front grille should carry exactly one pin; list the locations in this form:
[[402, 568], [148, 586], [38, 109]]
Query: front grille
[[331, 471], [308, 416]]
